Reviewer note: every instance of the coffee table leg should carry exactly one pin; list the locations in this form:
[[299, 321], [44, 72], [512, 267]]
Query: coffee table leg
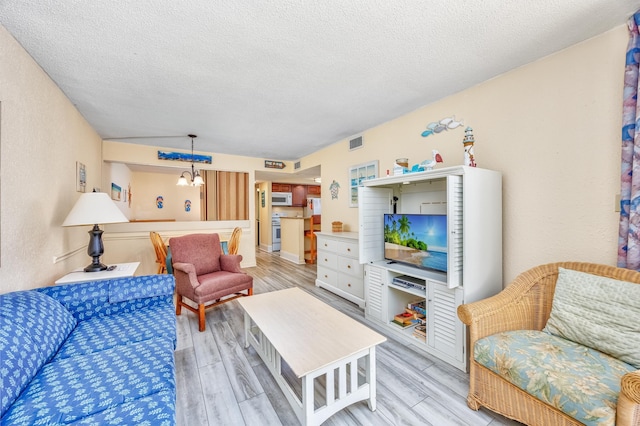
[[307, 400], [371, 378], [247, 326]]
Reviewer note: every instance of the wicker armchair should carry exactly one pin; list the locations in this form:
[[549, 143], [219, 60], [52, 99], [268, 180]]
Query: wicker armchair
[[526, 305]]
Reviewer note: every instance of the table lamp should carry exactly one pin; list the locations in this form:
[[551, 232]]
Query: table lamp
[[93, 208]]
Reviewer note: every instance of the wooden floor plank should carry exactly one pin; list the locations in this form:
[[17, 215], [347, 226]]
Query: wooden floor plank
[[190, 407], [243, 380], [221, 405], [259, 411]]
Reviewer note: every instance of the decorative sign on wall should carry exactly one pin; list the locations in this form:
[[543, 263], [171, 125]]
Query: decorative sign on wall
[[270, 164], [334, 188], [159, 201], [187, 205], [184, 156], [447, 123], [262, 197]]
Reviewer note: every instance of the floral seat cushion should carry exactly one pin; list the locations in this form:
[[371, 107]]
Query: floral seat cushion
[[579, 381]]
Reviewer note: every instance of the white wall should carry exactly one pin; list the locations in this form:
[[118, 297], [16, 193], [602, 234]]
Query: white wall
[[551, 127]]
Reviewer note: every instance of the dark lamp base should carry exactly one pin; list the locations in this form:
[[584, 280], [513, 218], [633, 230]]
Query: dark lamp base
[[95, 267]]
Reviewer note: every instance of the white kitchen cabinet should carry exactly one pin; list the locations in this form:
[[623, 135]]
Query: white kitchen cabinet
[[471, 198], [339, 269]]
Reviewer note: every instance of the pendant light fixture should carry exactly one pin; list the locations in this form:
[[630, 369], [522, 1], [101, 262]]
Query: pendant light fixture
[[194, 175]]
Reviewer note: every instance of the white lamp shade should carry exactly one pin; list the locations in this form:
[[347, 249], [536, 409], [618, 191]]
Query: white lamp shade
[[197, 180], [93, 208]]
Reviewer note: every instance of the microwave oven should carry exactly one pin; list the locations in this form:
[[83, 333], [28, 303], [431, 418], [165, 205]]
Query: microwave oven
[[281, 199]]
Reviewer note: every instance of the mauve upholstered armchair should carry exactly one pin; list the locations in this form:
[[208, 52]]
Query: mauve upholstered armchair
[[205, 275]]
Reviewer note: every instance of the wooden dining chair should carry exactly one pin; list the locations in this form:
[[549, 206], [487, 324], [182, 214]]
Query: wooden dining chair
[[314, 225], [161, 252], [234, 241]]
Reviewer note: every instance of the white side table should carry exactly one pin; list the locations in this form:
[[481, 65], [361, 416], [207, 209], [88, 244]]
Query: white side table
[[121, 270]]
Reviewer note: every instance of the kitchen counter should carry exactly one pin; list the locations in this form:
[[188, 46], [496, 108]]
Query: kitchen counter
[[293, 244]]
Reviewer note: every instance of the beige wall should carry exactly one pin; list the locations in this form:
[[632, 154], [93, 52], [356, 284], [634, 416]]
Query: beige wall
[[132, 239], [148, 186], [551, 127], [42, 136]]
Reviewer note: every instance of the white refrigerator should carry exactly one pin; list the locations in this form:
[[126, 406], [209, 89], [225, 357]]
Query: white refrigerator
[[314, 207]]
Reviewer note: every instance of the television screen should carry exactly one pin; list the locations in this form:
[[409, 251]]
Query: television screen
[[416, 239]]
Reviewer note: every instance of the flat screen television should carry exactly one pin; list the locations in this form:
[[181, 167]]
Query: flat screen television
[[418, 240]]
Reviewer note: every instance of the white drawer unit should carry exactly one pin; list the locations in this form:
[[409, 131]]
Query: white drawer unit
[[339, 270]]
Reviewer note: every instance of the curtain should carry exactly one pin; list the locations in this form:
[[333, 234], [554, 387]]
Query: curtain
[[629, 231]]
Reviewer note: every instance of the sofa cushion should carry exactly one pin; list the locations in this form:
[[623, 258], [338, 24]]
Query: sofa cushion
[[43, 318], [598, 312], [70, 389], [154, 410], [20, 360], [102, 333], [107, 297], [32, 328], [575, 379]]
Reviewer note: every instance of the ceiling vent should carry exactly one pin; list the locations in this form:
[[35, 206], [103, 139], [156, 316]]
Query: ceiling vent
[[355, 143], [296, 165]]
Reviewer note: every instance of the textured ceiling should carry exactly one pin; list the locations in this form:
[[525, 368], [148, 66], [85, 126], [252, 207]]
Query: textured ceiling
[[282, 79]]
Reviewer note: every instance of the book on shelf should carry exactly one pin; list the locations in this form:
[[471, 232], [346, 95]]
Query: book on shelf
[[403, 324], [404, 318], [418, 306], [420, 332], [413, 313]]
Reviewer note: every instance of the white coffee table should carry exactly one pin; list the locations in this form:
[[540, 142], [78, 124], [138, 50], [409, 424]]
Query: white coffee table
[[314, 339], [121, 270]]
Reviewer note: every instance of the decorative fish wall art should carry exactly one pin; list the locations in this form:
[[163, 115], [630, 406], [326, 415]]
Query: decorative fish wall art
[[442, 125]]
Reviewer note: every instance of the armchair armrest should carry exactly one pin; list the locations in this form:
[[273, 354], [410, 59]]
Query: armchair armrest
[[106, 297], [186, 277], [628, 409], [231, 263]]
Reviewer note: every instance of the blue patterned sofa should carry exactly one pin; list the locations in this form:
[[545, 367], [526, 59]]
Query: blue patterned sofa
[[90, 353], [559, 346]]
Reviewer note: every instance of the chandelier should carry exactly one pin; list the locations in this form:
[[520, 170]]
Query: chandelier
[[194, 176]]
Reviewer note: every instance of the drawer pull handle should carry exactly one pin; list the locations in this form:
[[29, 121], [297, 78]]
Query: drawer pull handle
[[325, 275], [348, 266], [325, 259], [349, 285], [348, 249], [325, 244]]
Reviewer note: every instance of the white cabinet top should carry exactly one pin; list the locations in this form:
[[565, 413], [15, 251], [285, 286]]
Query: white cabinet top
[[343, 235]]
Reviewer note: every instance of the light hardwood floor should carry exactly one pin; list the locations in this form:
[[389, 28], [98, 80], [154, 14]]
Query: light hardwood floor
[[219, 382]]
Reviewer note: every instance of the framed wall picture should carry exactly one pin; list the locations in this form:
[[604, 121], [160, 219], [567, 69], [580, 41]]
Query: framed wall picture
[[357, 175], [116, 192], [81, 177]]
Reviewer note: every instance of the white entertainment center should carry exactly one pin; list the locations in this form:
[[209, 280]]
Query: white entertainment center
[[471, 198]]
